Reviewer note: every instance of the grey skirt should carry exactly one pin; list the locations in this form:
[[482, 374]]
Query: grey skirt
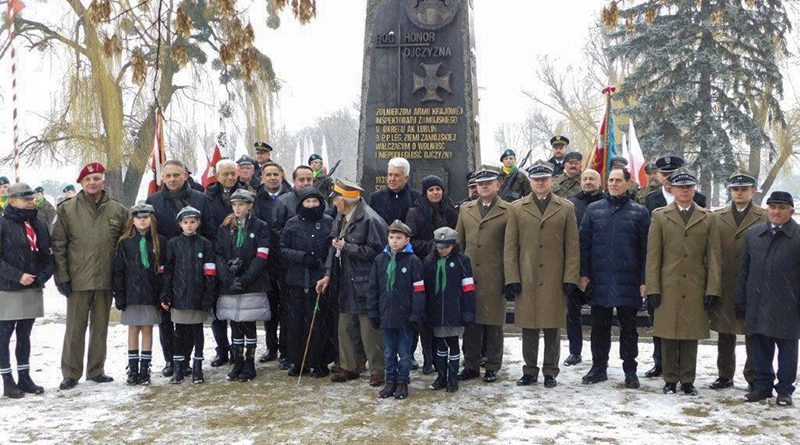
[[141, 315], [21, 304], [188, 316], [448, 331]]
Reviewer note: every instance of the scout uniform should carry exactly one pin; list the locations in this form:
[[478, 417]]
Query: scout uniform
[[519, 188]]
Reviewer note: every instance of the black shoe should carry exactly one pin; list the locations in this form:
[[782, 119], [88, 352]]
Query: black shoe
[[758, 395], [284, 364], [427, 368], [388, 390], [249, 369], [689, 389], [632, 381], [238, 363], [655, 371], [10, 388], [439, 383], [67, 383], [721, 383], [490, 376], [319, 373], [526, 380], [102, 378], [26, 384], [468, 374], [550, 382], [294, 371], [670, 388], [573, 359], [483, 362], [219, 360], [784, 400], [133, 376], [197, 372], [144, 374], [402, 391], [268, 357], [414, 364], [596, 374], [452, 384], [178, 375], [169, 368]]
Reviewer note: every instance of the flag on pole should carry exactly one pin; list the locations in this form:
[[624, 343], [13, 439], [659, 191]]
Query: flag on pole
[[606, 147], [209, 175], [159, 156], [636, 158], [14, 7]]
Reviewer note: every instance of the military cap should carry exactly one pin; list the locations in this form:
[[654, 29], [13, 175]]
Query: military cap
[[471, 182], [346, 189], [507, 153], [683, 177], [187, 212], [246, 160], [444, 236], [68, 188], [573, 155], [38, 189], [559, 140], [4, 180], [399, 226], [243, 195], [619, 160], [91, 168], [262, 146], [540, 169], [779, 197], [669, 163], [20, 190], [741, 179], [142, 210], [650, 167], [486, 173], [314, 157]]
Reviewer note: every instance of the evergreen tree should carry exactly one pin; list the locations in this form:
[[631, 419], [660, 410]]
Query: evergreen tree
[[705, 77]]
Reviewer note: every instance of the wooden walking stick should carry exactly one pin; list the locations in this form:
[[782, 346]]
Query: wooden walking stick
[[308, 340]]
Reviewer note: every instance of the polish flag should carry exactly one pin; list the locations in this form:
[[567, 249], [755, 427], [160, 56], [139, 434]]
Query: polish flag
[[159, 156], [262, 252], [209, 269], [468, 284], [209, 177], [419, 286], [636, 158]]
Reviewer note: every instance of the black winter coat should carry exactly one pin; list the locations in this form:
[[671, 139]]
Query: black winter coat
[[557, 168], [189, 278], [613, 236], [299, 237], [406, 302], [456, 305], [133, 284], [253, 254], [768, 283], [581, 201], [393, 205], [16, 256], [655, 200], [266, 208], [424, 218], [219, 205], [195, 185], [168, 205]]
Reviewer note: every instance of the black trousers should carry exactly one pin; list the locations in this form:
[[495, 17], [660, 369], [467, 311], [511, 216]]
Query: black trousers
[[166, 335], [602, 319], [299, 313], [574, 328], [23, 330], [186, 337], [656, 340], [425, 337], [219, 328], [447, 345], [276, 339]]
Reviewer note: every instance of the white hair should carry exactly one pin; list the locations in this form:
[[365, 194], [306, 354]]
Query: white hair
[[224, 163], [400, 163]]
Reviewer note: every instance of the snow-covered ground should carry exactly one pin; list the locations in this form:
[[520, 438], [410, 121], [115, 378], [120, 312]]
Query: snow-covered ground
[[274, 409]]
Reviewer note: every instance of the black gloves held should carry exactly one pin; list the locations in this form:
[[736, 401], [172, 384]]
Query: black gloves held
[[741, 310], [375, 322], [654, 300], [64, 288], [236, 285], [512, 290], [569, 289], [709, 301], [234, 266]]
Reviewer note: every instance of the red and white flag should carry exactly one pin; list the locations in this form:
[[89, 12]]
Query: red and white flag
[[14, 7], [209, 174], [159, 156], [636, 158]]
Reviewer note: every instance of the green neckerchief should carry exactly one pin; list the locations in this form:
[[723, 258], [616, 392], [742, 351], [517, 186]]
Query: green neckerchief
[[509, 170], [390, 275], [239, 233], [3, 202], [316, 173], [441, 275], [39, 202], [143, 252]]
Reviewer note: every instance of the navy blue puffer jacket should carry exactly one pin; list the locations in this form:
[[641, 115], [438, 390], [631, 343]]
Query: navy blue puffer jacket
[[613, 250]]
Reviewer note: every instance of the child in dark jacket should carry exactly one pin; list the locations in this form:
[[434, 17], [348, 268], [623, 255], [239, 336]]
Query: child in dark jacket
[[450, 303], [137, 265], [187, 291], [396, 305]]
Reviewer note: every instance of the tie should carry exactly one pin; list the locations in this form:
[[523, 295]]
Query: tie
[[143, 253], [441, 276], [390, 273], [31, 234], [239, 234]]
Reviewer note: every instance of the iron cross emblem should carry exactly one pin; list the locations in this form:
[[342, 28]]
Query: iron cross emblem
[[431, 83]]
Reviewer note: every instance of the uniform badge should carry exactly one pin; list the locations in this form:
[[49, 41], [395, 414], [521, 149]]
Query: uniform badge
[[404, 270], [252, 235], [452, 264], [200, 255]]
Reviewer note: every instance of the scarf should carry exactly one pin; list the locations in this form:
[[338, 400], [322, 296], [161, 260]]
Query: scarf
[[390, 273], [39, 202], [31, 234], [3, 202], [441, 275], [509, 170], [143, 252], [313, 214], [239, 234]]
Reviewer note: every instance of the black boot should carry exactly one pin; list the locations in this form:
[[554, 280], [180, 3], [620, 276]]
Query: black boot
[[221, 358], [238, 362], [133, 372], [427, 362], [169, 368], [388, 390], [596, 374], [452, 375], [177, 376], [249, 369], [10, 388], [441, 368], [144, 368], [197, 371], [402, 391], [26, 384]]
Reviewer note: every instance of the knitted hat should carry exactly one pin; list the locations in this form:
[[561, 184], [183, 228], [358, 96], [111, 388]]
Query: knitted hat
[[430, 181]]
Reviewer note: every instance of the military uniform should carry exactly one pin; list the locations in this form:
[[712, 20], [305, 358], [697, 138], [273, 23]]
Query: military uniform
[[641, 194], [516, 190], [558, 166], [566, 187]]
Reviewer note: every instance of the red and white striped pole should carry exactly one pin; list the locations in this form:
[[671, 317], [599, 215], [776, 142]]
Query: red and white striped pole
[[14, 7]]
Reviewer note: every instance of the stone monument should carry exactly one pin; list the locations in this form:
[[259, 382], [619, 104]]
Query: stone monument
[[419, 93]]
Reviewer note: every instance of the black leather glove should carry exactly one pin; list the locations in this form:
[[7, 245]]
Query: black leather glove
[[569, 289], [234, 266], [709, 301], [64, 288], [375, 322], [309, 260], [236, 285], [120, 305], [512, 290], [654, 300], [740, 310]]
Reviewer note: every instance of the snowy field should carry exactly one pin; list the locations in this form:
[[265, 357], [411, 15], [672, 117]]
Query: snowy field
[[274, 409]]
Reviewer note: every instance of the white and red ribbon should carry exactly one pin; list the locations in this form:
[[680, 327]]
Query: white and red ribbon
[[468, 284], [210, 269], [419, 286], [262, 252]]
